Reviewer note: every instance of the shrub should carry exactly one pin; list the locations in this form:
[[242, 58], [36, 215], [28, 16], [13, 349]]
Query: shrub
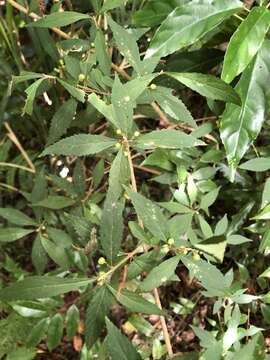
[[134, 162]]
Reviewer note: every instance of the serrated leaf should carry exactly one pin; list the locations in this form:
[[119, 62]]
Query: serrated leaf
[[58, 19], [104, 109], [136, 303], [126, 44], [173, 106], [214, 246], [55, 202], [258, 164], [240, 126], [55, 332], [208, 86], [188, 23], [155, 11], [160, 274], [17, 217], [112, 4], [56, 253], [38, 255], [264, 214], [96, 311], [101, 51], [76, 93], [72, 321], [38, 287], [31, 94], [80, 145], [144, 263], [167, 138], [150, 214], [208, 275], [208, 199], [119, 347], [61, 120], [13, 233], [37, 332], [245, 43], [111, 227]]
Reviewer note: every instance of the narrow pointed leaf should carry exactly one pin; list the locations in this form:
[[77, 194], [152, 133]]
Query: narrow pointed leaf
[[258, 164], [240, 126], [245, 43], [59, 19], [80, 145], [150, 214], [12, 234], [119, 347], [208, 86], [16, 217], [188, 23], [37, 287]]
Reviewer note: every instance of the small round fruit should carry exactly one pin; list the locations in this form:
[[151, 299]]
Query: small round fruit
[[118, 146], [101, 261], [137, 133], [153, 87], [119, 132], [170, 241], [196, 257], [81, 77]]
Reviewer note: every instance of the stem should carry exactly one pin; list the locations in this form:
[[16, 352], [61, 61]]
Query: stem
[[15, 140], [155, 291], [34, 16], [4, 164]]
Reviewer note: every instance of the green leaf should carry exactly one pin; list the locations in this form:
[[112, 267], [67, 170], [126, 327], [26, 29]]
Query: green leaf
[[160, 274], [167, 138], [144, 263], [173, 106], [56, 253], [112, 4], [31, 94], [208, 275], [264, 214], [188, 23], [240, 126], [37, 333], [266, 193], [72, 321], [96, 311], [61, 120], [101, 51], [252, 350], [11, 234], [214, 246], [209, 199], [55, 202], [80, 145], [155, 11], [237, 239], [16, 217], [22, 353], [38, 287], [258, 164], [111, 227], [126, 44], [24, 76], [119, 347], [76, 93], [245, 43], [55, 332], [136, 303], [104, 109], [38, 255], [208, 86], [58, 19], [150, 214]]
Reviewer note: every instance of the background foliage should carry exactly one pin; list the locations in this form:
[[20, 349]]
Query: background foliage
[[134, 162]]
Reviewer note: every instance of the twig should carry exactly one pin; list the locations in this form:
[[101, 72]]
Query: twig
[[155, 291], [4, 164], [34, 16], [143, 168], [15, 140]]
